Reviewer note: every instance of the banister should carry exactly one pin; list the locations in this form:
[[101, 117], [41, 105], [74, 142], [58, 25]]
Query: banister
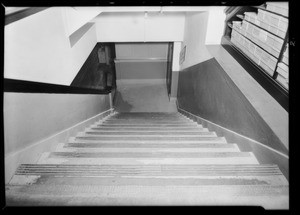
[[22, 86]]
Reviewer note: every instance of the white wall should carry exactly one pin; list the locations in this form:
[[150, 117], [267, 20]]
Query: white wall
[[75, 17], [36, 48], [31, 117], [215, 26], [141, 50], [176, 56], [194, 39], [141, 60], [35, 123], [134, 27]]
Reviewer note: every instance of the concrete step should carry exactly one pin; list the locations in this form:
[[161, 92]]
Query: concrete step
[[198, 136], [173, 171], [191, 125], [126, 122], [148, 158], [200, 146], [148, 117], [269, 197], [151, 129], [199, 140], [142, 133], [148, 114], [95, 177], [147, 148], [149, 120]]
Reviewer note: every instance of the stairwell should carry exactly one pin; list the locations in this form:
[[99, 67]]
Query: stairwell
[[148, 159]]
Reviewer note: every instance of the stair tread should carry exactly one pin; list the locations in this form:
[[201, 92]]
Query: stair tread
[[152, 145], [148, 158], [191, 125], [156, 170], [150, 154], [126, 123], [148, 179], [99, 128], [199, 140], [146, 148], [146, 137], [90, 131], [149, 119], [138, 160], [270, 197]]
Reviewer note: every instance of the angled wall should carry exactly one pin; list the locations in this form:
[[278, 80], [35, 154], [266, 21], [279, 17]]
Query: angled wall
[[37, 49], [207, 91]]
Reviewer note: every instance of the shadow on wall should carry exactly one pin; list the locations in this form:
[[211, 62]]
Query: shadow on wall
[[121, 105]]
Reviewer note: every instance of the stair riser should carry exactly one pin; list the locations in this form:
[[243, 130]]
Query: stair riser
[[148, 161], [149, 120], [145, 149], [203, 171], [150, 145], [138, 129], [270, 197], [155, 180], [202, 140], [142, 133], [145, 138], [172, 122], [148, 125], [151, 155], [148, 158]]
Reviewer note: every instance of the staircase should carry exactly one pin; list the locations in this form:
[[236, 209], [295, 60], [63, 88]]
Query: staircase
[[148, 159]]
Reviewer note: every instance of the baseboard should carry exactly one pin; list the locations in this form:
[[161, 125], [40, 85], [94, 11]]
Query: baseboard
[[32, 153], [263, 153]]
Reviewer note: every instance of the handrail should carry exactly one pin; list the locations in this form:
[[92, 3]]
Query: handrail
[[21, 86]]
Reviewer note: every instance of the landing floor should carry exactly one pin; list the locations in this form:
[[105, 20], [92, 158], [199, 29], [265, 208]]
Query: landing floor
[[143, 96]]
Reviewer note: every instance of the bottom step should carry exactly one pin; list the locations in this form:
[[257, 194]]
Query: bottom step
[[269, 197]]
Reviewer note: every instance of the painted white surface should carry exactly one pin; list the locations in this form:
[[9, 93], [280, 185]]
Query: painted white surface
[[141, 60], [194, 39], [135, 27], [76, 17], [33, 152], [36, 116], [37, 49], [176, 55], [141, 70], [164, 27], [158, 9], [141, 50], [215, 26]]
